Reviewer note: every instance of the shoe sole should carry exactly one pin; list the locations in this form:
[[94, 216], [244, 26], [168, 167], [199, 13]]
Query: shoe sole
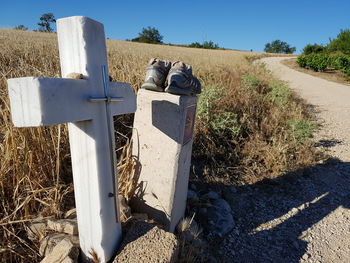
[[152, 86], [178, 91]]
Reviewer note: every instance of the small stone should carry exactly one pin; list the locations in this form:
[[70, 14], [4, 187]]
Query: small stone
[[75, 76], [68, 226], [296, 244], [124, 208], [306, 256], [140, 216], [37, 229], [203, 211], [233, 189], [193, 187], [48, 243], [211, 195], [65, 251], [71, 214], [192, 195], [294, 210]]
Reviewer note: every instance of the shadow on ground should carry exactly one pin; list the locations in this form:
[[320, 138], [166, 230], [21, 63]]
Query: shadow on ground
[[272, 217]]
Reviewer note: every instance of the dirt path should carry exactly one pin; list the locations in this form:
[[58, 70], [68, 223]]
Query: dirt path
[[331, 101], [303, 216]]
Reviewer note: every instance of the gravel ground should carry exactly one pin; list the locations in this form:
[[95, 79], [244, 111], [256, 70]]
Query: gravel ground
[[302, 216]]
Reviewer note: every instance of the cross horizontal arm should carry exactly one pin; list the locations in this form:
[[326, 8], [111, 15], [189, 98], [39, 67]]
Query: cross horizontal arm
[[48, 101], [124, 90], [37, 101]]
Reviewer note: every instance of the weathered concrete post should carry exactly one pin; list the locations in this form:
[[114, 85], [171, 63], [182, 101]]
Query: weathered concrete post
[[162, 143]]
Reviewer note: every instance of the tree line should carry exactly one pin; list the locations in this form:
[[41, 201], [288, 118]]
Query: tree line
[[152, 35], [45, 24]]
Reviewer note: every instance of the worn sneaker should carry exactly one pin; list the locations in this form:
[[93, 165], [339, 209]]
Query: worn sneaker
[[157, 70], [180, 80]]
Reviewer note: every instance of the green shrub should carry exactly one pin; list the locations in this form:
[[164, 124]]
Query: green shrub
[[225, 122], [302, 61], [315, 48], [320, 62], [209, 96], [317, 62], [250, 82], [279, 94], [301, 128], [340, 62], [219, 122]]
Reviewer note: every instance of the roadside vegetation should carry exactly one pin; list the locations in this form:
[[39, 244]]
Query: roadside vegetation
[[250, 126], [334, 56]]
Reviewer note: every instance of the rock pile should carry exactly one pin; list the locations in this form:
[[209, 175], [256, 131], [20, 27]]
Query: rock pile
[[58, 238]]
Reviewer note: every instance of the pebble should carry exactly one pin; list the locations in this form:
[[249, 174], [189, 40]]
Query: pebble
[[211, 195], [192, 195]]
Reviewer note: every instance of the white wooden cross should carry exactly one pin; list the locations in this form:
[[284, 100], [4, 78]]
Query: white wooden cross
[[88, 105]]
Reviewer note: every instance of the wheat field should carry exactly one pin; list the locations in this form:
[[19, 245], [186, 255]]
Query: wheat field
[[35, 168]]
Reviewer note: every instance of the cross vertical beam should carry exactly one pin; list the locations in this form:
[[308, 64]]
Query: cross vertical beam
[[83, 50]]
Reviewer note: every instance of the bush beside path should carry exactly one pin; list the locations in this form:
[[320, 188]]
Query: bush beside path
[[331, 104]]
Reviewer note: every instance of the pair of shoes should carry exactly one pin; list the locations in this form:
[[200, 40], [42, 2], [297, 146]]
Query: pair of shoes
[[175, 78]]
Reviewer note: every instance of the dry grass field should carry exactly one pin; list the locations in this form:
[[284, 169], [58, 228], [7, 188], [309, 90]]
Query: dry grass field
[[249, 127]]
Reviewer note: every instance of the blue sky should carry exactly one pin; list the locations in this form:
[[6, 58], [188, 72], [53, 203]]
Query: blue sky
[[233, 24]]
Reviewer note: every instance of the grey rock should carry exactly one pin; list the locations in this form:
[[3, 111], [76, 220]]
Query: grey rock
[[68, 226], [218, 219], [222, 204]]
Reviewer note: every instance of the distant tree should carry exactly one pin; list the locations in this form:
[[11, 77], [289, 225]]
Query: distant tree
[[21, 27], [196, 45], [45, 24], [278, 46], [315, 48], [341, 43], [210, 45], [149, 35], [206, 44]]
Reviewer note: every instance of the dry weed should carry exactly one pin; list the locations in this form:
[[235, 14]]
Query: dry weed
[[35, 167]]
